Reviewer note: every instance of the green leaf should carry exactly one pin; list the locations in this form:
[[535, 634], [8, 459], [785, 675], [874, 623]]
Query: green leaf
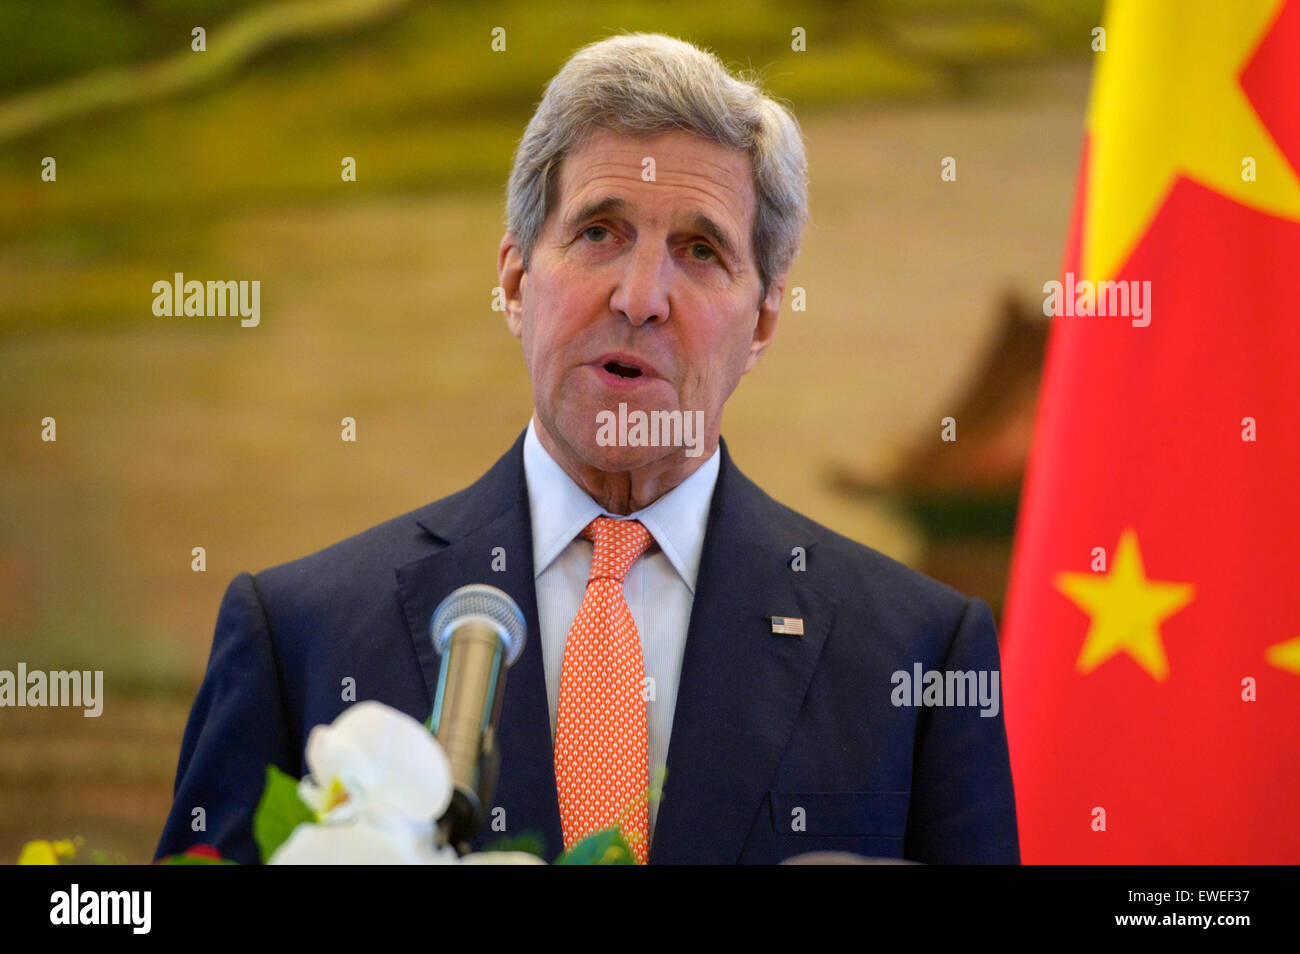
[[279, 811], [98, 856], [193, 860], [605, 847], [528, 842]]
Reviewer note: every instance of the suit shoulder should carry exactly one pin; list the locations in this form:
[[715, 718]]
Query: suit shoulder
[[360, 561], [364, 564], [845, 564]]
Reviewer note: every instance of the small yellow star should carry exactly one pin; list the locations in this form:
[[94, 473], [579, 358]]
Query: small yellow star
[[1126, 610], [1285, 655]]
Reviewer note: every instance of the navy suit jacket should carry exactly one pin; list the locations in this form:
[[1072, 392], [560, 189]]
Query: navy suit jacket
[[780, 744]]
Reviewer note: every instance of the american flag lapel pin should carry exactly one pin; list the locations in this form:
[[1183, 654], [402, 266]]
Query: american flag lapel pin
[[787, 625]]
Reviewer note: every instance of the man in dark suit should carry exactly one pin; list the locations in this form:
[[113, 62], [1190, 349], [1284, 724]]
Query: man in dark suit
[[655, 206]]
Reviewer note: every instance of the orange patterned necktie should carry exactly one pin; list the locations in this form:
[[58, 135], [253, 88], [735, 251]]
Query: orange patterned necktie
[[601, 760]]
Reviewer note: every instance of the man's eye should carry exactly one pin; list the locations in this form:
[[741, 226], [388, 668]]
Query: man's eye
[[709, 254], [595, 228]]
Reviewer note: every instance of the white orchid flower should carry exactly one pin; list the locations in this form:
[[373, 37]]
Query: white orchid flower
[[375, 763], [359, 843], [379, 781]]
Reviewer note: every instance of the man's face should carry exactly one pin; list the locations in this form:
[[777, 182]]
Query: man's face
[[640, 292]]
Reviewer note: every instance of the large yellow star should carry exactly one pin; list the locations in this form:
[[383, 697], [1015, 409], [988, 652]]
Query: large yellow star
[[1126, 610], [1167, 101]]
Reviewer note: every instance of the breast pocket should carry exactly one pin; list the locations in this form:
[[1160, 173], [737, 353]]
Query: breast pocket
[[840, 815]]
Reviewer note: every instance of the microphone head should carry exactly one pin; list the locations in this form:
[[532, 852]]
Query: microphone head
[[485, 603]]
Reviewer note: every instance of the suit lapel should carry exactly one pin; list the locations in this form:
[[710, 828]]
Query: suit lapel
[[741, 684], [469, 527]]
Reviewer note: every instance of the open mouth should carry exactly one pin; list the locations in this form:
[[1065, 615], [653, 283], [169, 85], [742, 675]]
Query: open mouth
[[622, 370]]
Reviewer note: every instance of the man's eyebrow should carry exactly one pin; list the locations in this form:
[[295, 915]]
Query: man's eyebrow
[[702, 223], [592, 209]]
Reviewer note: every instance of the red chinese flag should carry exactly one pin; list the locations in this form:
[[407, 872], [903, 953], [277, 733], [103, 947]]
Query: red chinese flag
[[1152, 632]]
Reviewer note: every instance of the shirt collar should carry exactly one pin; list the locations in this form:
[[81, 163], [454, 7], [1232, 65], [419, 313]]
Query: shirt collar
[[560, 509]]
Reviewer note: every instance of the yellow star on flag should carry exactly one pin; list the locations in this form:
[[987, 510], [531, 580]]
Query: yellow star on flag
[[1126, 608], [1285, 655], [1167, 101]]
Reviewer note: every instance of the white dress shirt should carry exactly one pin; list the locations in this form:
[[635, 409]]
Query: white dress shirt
[[659, 588]]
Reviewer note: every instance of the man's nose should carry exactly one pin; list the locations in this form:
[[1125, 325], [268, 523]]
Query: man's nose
[[642, 292]]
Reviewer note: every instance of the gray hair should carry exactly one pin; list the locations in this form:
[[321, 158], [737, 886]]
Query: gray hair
[[649, 82]]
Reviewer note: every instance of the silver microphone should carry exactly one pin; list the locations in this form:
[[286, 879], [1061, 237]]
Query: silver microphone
[[479, 631]]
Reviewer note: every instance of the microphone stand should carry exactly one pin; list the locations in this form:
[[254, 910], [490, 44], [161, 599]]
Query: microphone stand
[[464, 815]]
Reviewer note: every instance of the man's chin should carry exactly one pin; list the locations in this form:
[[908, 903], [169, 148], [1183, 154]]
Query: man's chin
[[615, 459], [614, 445]]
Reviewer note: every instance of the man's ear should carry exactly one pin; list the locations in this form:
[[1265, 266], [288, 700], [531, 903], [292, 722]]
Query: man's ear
[[769, 310], [510, 276]]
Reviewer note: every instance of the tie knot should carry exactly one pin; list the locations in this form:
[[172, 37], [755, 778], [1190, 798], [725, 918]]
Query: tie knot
[[618, 544]]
